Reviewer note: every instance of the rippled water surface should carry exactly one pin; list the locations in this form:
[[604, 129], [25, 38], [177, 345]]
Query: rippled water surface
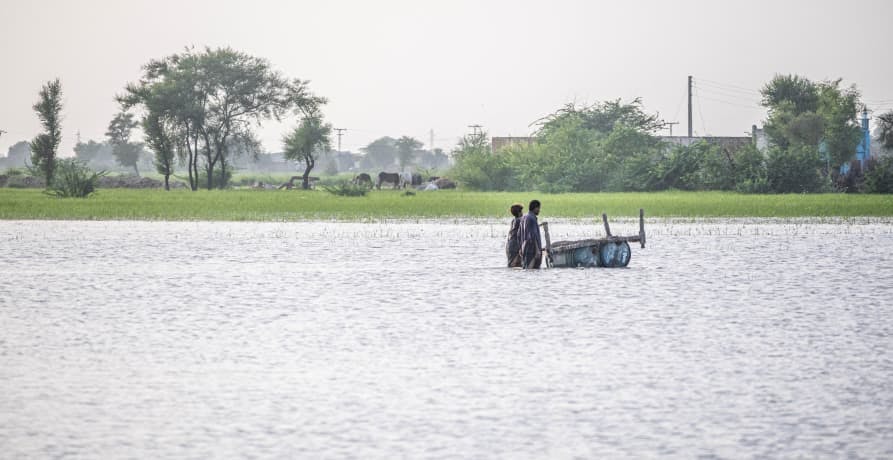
[[385, 340]]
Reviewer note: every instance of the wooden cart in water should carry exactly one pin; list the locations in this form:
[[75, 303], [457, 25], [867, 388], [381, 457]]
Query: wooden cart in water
[[611, 251]]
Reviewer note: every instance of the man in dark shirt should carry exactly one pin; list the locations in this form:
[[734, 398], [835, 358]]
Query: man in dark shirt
[[529, 233]]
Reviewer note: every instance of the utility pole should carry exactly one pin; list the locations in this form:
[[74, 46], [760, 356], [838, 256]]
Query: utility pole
[[670, 124], [340, 133], [689, 108], [476, 130], [431, 140]]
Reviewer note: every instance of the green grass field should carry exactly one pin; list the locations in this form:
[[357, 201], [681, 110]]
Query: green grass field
[[251, 205]]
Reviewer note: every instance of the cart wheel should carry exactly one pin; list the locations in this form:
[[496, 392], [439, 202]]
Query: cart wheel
[[615, 255]]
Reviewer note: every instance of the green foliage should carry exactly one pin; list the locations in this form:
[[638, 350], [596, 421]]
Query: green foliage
[[222, 178], [603, 147], [345, 188], [212, 96], [477, 168], [567, 159], [379, 154], [45, 145], [838, 107], [795, 170], [879, 177], [406, 150], [804, 114], [801, 93], [602, 117], [683, 168], [119, 131], [73, 179], [253, 205], [750, 172], [307, 142], [19, 153], [162, 138]]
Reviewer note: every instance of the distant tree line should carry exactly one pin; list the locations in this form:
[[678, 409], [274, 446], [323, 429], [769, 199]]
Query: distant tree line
[[612, 146], [197, 110]]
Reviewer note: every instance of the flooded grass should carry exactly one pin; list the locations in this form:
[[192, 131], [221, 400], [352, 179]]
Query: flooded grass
[[255, 205]]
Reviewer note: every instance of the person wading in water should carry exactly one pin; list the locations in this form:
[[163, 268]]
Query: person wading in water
[[529, 233], [513, 244]]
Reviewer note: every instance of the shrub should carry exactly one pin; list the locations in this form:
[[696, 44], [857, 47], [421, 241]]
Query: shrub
[[879, 177], [345, 188], [221, 180], [73, 179], [853, 180], [795, 170]]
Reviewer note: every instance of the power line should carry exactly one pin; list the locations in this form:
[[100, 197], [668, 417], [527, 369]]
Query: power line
[[679, 105], [701, 114], [340, 133], [735, 87], [736, 104], [724, 94]]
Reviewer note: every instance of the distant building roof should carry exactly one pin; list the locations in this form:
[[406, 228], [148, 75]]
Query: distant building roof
[[499, 143]]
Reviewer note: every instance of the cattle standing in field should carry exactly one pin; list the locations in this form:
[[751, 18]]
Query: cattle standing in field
[[393, 178], [405, 179], [362, 179]]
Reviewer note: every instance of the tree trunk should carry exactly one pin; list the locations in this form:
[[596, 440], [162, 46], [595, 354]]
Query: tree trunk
[[222, 183], [136, 169], [305, 181], [194, 167], [192, 150], [167, 186]]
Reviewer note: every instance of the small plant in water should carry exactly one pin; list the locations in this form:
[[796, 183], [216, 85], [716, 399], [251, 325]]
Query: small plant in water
[[73, 179], [345, 188]]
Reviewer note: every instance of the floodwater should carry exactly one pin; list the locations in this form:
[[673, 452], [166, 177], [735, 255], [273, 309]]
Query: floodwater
[[729, 339]]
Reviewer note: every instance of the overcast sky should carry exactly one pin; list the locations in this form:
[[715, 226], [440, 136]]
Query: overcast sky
[[408, 67]]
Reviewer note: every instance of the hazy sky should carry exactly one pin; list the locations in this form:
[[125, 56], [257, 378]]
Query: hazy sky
[[407, 67]]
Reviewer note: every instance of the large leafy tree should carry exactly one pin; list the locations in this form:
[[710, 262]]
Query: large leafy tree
[[119, 131], [806, 114], [162, 138], [307, 142], [212, 96], [839, 107], [45, 145], [477, 167], [605, 146], [19, 153], [602, 117], [406, 150], [799, 93], [95, 154], [380, 153]]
